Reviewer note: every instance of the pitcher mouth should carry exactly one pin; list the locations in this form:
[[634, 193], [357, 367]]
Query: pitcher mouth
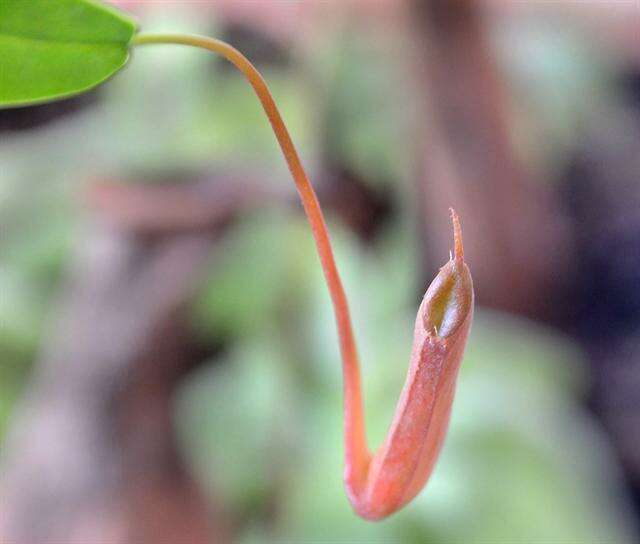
[[448, 299]]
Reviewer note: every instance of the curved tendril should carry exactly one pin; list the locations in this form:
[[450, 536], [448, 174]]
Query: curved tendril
[[365, 477]]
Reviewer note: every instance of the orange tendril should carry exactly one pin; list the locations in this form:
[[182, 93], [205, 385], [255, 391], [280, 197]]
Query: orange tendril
[[378, 485]]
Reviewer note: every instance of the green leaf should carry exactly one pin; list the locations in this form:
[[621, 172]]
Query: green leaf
[[51, 49]]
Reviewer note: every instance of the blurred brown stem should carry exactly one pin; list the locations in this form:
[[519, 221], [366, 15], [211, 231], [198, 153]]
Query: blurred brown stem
[[467, 160]]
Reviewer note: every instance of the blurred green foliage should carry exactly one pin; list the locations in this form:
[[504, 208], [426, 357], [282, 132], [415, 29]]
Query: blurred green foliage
[[261, 429]]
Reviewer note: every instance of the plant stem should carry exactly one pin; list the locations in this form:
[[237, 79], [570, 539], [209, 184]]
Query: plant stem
[[357, 455]]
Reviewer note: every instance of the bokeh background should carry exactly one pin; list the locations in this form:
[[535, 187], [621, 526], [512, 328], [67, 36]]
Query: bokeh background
[[169, 363]]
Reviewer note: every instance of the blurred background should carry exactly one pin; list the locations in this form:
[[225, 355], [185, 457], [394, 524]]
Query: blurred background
[[169, 363]]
